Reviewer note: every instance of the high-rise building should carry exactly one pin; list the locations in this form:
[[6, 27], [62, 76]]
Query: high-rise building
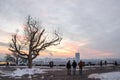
[[77, 57]]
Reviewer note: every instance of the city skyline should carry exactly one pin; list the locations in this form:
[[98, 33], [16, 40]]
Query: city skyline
[[90, 27]]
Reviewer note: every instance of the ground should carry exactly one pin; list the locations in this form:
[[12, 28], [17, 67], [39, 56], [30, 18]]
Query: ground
[[57, 73]]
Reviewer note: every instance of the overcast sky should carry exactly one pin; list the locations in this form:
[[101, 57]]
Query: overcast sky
[[91, 27]]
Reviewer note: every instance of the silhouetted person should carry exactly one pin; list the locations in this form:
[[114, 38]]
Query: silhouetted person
[[80, 64], [74, 65], [101, 63], [51, 64], [7, 64], [68, 66], [105, 62], [116, 64]]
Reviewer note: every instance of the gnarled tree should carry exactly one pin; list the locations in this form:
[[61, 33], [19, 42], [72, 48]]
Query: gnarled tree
[[33, 41]]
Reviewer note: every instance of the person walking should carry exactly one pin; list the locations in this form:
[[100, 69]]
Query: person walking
[[68, 66], [74, 65], [80, 64]]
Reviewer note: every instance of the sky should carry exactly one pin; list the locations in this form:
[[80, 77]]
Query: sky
[[90, 27]]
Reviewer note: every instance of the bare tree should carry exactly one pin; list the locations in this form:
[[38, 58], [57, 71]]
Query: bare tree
[[33, 41]]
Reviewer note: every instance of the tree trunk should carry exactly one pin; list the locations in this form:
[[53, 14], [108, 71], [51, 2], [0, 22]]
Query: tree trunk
[[29, 62]]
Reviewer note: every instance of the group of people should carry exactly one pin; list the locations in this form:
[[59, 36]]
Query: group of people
[[105, 63], [73, 65]]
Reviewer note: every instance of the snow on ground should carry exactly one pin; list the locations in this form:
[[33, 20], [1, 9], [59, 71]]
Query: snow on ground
[[20, 72], [106, 76], [82, 69]]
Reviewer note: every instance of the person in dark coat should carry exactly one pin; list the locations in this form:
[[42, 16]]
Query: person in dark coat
[[68, 66], [7, 64], [115, 63], [101, 63], [105, 62], [51, 64], [74, 65]]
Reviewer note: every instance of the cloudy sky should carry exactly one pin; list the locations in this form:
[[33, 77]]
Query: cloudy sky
[[91, 27]]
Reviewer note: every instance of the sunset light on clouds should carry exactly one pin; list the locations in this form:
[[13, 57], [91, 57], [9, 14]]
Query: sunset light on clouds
[[91, 27]]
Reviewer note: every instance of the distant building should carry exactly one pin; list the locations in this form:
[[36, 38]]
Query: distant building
[[77, 57]]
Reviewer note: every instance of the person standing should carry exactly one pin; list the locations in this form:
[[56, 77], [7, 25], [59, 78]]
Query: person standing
[[105, 63], [7, 64], [101, 63], [80, 64], [115, 63], [68, 66], [51, 64], [74, 65]]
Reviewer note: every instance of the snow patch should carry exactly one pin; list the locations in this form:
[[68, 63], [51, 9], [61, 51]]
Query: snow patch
[[21, 72], [18, 73], [106, 76]]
